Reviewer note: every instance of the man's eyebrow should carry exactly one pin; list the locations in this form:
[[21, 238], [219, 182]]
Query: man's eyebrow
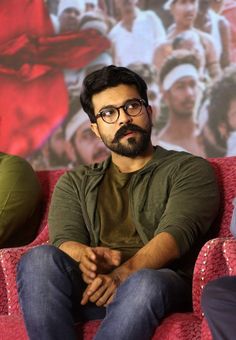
[[113, 106]]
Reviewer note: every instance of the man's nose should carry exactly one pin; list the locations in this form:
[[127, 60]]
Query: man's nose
[[191, 91], [124, 118], [73, 14]]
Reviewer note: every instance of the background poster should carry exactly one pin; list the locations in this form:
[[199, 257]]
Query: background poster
[[48, 47]]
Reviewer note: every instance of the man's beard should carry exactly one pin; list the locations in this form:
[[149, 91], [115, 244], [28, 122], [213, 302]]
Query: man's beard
[[134, 146]]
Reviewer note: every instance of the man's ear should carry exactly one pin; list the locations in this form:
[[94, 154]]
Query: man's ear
[[149, 111], [94, 128], [165, 96]]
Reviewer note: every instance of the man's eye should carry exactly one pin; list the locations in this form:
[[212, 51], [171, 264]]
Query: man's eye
[[132, 105], [108, 113]]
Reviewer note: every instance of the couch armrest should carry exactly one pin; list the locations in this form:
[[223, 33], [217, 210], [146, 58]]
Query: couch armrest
[[229, 250], [9, 258], [210, 264]]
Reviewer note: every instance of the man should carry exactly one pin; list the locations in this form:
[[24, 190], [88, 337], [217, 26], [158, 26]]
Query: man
[[69, 12], [20, 197], [219, 133], [83, 146], [128, 229], [184, 13], [53, 153], [149, 73], [179, 80], [136, 36], [218, 27]]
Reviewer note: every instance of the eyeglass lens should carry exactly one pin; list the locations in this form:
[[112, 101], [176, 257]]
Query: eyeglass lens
[[131, 107]]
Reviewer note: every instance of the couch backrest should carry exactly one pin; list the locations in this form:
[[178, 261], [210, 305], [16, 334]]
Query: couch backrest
[[225, 169], [48, 179]]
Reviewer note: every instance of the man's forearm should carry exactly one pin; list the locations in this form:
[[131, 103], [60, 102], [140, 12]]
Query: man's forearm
[[73, 249], [157, 253]]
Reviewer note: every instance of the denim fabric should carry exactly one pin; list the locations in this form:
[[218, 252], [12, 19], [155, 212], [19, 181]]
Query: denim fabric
[[219, 306], [233, 219], [50, 289], [141, 303]]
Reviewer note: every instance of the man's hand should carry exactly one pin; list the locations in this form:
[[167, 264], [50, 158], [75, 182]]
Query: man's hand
[[101, 290], [98, 260]]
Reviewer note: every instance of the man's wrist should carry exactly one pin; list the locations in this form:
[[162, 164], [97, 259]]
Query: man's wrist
[[121, 273]]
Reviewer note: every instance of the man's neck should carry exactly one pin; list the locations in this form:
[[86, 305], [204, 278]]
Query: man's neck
[[127, 164], [128, 19], [178, 127]]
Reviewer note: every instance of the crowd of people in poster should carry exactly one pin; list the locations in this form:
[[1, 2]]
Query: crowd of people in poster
[[199, 117]]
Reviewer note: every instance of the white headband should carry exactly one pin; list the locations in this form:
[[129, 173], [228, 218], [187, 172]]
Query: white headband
[[168, 4], [64, 4], [180, 71]]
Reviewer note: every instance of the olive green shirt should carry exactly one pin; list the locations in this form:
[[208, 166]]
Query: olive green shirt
[[119, 233], [20, 197], [174, 192]]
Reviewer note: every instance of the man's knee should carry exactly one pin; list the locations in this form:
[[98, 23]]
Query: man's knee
[[146, 284], [37, 254], [38, 260], [218, 291]]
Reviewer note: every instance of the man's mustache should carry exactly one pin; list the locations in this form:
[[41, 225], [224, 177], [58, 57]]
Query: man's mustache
[[126, 128]]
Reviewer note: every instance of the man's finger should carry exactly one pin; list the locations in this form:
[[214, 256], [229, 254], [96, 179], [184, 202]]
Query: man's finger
[[86, 271], [109, 300], [98, 294], [90, 253], [103, 300], [91, 289], [87, 262], [113, 257], [87, 279]]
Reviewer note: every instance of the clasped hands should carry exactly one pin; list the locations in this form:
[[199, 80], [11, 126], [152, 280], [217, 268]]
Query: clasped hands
[[97, 266]]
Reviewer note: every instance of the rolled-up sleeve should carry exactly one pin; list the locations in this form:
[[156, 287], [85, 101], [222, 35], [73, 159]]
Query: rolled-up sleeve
[[66, 222], [193, 203]]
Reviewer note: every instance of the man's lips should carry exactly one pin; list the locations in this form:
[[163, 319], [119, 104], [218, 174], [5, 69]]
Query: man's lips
[[129, 133]]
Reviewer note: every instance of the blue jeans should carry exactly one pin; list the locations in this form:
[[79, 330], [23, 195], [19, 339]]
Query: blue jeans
[[219, 306], [50, 288]]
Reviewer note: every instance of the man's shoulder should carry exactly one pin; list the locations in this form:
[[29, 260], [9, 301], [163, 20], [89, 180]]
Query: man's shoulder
[[85, 171], [116, 29], [179, 160], [13, 162]]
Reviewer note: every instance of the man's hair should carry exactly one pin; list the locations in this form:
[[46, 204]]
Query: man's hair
[[105, 78], [178, 57], [222, 92], [148, 72], [185, 36]]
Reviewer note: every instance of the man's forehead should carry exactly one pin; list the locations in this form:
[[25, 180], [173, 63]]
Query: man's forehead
[[180, 73], [115, 95], [186, 79]]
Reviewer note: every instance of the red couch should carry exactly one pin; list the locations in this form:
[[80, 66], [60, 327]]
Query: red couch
[[216, 258]]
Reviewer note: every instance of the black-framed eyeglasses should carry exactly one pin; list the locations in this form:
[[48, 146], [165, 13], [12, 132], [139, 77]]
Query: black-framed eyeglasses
[[110, 114]]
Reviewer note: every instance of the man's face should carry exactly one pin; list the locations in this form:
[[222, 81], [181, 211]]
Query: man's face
[[217, 5], [56, 148], [88, 146], [232, 115], [182, 96], [154, 100], [185, 11], [69, 20], [204, 5], [128, 136], [125, 6]]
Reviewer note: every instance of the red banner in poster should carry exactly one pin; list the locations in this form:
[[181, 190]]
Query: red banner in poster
[[33, 94]]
